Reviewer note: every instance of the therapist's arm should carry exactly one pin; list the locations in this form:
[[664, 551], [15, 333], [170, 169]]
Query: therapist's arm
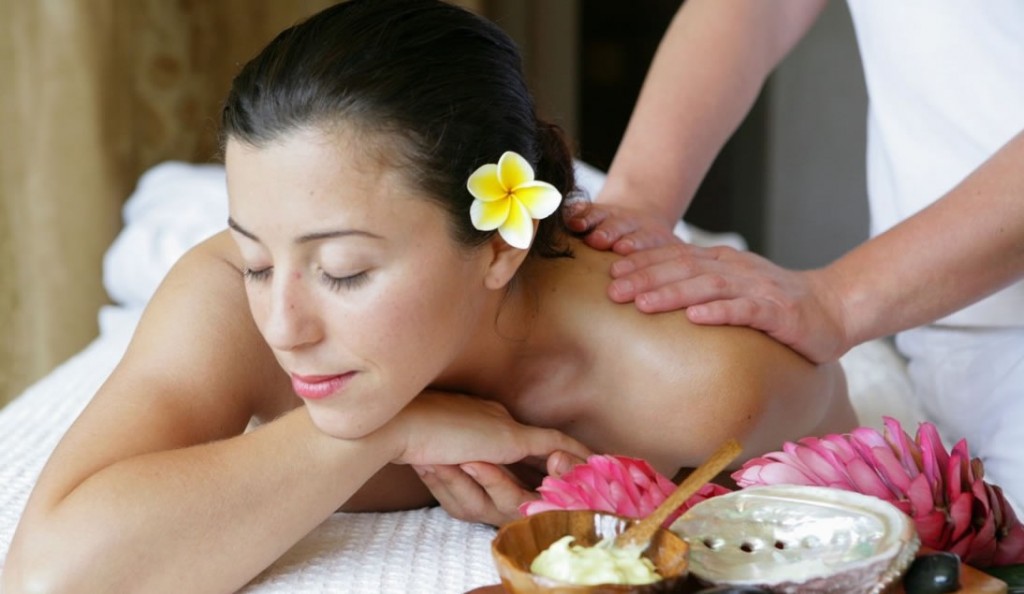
[[705, 76], [962, 248]]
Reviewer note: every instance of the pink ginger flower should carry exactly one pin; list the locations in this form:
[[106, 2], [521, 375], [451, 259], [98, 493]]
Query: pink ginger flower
[[953, 508], [620, 485]]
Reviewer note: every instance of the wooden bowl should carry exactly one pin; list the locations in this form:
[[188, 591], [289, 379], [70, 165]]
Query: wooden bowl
[[519, 542]]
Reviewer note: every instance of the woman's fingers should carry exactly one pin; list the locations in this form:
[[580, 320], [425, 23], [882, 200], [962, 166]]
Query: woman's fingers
[[560, 463], [542, 443], [503, 491], [489, 493], [456, 492], [476, 491]]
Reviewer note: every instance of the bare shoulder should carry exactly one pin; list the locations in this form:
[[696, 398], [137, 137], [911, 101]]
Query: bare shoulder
[[197, 333], [680, 389], [196, 370]]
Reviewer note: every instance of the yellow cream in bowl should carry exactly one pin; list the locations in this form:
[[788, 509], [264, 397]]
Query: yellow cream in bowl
[[603, 563]]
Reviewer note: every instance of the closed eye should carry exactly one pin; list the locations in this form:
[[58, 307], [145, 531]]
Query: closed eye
[[345, 282], [257, 275]]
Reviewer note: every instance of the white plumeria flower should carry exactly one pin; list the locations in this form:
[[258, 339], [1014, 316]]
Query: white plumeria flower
[[507, 198]]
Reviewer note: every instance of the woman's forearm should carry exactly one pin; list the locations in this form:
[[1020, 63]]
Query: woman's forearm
[[706, 74], [206, 518], [965, 246]]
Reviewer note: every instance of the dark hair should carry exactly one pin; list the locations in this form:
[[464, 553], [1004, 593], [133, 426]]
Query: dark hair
[[443, 81]]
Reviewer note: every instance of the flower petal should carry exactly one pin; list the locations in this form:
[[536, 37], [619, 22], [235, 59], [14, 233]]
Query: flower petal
[[920, 496], [906, 449], [931, 528], [822, 462], [868, 436], [1011, 532], [771, 473], [484, 184], [540, 198], [538, 505], [488, 216], [513, 171], [866, 480], [517, 230], [959, 515]]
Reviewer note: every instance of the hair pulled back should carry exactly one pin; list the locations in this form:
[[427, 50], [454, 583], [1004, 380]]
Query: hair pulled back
[[443, 82]]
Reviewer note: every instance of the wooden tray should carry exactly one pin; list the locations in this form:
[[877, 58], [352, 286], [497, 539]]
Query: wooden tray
[[972, 581]]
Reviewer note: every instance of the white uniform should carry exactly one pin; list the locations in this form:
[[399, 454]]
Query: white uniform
[[945, 81]]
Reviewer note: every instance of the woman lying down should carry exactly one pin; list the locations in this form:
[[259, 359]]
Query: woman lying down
[[395, 293]]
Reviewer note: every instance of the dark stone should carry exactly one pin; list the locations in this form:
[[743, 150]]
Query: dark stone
[[934, 573]]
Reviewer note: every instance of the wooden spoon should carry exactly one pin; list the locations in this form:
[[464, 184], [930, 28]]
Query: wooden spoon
[[641, 533]]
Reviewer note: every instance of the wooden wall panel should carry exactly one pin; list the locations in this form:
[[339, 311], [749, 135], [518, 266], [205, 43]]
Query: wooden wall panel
[[94, 93], [58, 190]]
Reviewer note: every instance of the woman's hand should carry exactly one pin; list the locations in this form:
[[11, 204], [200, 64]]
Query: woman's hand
[[490, 493], [443, 428], [620, 229], [723, 286], [466, 449]]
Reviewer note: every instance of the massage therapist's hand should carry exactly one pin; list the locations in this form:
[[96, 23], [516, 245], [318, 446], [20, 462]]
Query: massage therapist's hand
[[621, 229], [723, 286]]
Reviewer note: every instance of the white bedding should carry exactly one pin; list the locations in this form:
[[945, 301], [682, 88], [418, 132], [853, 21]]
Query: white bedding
[[177, 205]]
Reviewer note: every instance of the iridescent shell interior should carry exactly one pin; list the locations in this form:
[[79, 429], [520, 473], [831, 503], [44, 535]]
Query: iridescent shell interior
[[797, 539]]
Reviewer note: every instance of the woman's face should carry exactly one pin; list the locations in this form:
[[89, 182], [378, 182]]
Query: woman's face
[[352, 276]]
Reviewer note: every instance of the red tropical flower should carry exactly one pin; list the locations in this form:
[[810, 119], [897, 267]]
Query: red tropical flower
[[620, 485]]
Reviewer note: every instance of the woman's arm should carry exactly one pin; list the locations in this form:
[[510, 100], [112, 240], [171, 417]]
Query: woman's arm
[[680, 392], [155, 488], [705, 76]]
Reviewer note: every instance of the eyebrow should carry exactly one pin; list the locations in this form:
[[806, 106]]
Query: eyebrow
[[316, 236]]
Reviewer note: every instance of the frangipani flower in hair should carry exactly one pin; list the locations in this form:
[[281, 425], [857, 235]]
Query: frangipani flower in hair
[[508, 198]]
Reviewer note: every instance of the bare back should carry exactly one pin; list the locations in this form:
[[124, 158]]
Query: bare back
[[657, 386]]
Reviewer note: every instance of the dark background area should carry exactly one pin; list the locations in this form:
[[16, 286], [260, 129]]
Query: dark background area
[[616, 49]]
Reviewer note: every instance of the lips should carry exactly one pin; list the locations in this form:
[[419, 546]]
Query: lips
[[316, 387]]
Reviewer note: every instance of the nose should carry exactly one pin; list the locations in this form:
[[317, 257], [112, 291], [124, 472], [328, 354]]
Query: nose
[[291, 320]]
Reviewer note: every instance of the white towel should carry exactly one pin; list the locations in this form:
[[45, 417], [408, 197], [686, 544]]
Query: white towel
[[174, 206]]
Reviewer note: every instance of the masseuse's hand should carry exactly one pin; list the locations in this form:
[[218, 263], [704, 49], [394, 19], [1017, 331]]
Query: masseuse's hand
[[443, 435], [723, 286], [618, 228]]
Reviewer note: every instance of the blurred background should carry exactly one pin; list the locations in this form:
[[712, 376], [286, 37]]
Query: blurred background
[[95, 92]]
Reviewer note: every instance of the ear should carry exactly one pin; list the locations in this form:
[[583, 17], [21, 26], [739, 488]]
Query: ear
[[504, 262]]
